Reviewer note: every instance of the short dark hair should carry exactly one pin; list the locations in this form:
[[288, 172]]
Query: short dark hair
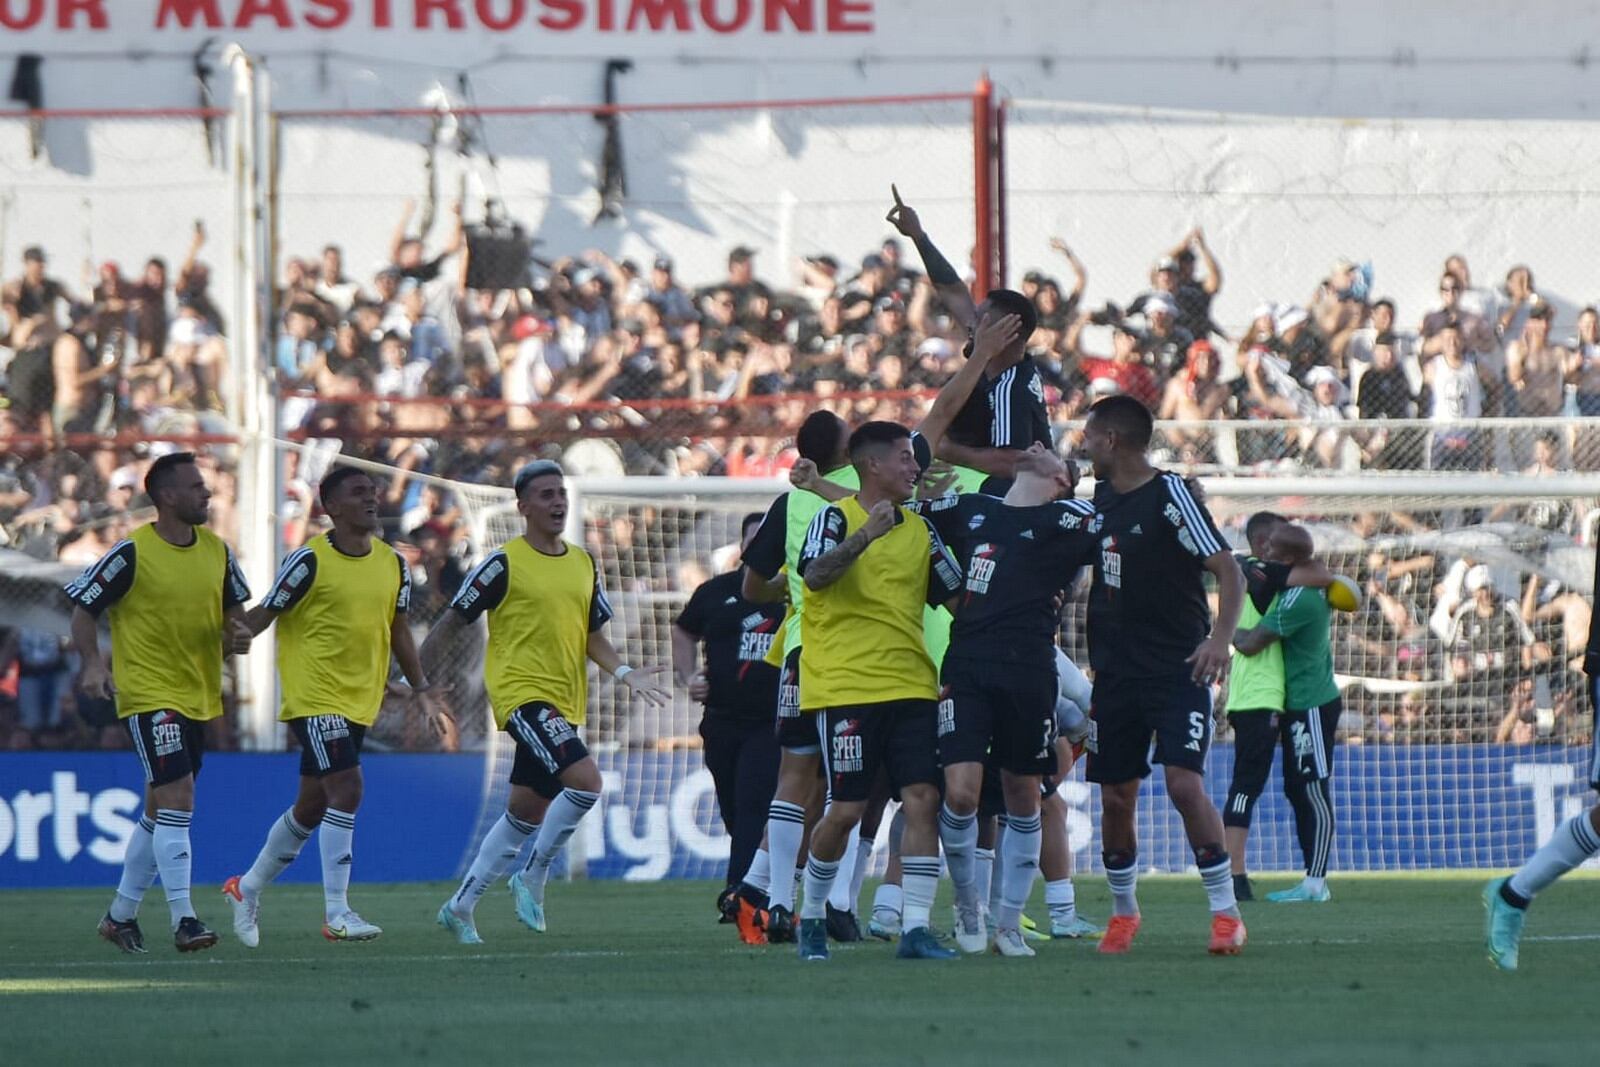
[[1011, 302], [755, 518], [1384, 303], [1260, 519], [159, 476], [870, 435], [1128, 417], [333, 480], [539, 468], [818, 439]]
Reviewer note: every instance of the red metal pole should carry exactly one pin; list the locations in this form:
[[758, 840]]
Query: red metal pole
[[983, 183], [1002, 243]]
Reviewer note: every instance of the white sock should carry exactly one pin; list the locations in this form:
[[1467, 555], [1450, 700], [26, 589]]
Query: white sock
[[999, 846], [919, 880], [759, 876], [337, 842], [495, 856], [284, 842], [839, 895], [858, 876], [820, 876], [1061, 898], [1218, 880], [1572, 843], [959, 836], [983, 876], [1019, 867], [889, 898], [786, 825], [562, 818], [1314, 885], [171, 842], [1124, 882], [138, 871]]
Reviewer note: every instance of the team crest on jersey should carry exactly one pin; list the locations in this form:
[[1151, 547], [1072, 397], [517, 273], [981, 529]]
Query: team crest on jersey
[[1096, 523], [976, 521]]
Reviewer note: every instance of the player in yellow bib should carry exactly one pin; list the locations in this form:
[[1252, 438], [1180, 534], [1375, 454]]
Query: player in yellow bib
[[174, 597], [340, 604], [545, 608], [869, 566]]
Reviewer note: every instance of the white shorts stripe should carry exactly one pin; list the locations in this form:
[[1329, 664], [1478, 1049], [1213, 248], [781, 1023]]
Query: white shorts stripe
[[138, 748], [1319, 751], [319, 747], [529, 736]]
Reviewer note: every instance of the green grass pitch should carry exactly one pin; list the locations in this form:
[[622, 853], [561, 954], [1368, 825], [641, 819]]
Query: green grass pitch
[[1392, 971]]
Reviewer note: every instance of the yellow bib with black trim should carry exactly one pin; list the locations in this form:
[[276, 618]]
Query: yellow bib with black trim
[[166, 631], [333, 646], [539, 632], [863, 638]]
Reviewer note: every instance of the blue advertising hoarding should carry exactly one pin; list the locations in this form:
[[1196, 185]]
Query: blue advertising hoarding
[[65, 816]]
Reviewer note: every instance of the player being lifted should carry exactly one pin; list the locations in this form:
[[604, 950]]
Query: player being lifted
[[1574, 842], [545, 608], [1298, 683], [175, 597], [1000, 676], [869, 566], [1155, 654], [340, 604]]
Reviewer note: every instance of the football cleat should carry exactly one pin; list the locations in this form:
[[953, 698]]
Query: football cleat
[[921, 944], [971, 933], [728, 905], [1119, 935], [1300, 894], [1074, 928], [752, 919], [1030, 929], [842, 925], [780, 926], [245, 913], [125, 935], [1227, 935], [884, 924], [1502, 931], [192, 935], [351, 927], [529, 910], [1012, 943], [465, 930], [813, 939]]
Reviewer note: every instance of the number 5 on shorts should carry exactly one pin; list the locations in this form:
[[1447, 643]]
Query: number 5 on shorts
[[1197, 730]]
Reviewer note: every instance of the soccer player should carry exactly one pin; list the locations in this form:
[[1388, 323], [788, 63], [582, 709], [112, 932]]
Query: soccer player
[[869, 566], [1256, 690], [1575, 841], [340, 604], [545, 608], [1073, 698], [1000, 676], [1006, 414], [1299, 620], [737, 688], [174, 597], [1156, 653]]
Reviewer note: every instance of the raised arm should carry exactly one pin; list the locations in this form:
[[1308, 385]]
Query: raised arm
[[992, 338], [944, 277], [1079, 274]]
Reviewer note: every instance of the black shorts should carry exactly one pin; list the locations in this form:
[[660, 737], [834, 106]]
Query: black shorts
[[547, 744], [328, 743], [992, 793], [1006, 715], [896, 736], [169, 744], [1128, 713], [796, 730], [1308, 738]]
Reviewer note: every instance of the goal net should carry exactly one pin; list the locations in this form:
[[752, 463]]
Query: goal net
[[1466, 734]]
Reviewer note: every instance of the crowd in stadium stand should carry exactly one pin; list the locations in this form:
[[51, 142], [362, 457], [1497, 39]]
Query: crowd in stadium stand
[[655, 374]]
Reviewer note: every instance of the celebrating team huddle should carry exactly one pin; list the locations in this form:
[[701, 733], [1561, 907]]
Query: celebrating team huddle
[[915, 662]]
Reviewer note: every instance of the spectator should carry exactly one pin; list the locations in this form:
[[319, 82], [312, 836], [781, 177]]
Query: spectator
[[667, 297], [332, 286], [1490, 647], [1386, 393], [1324, 447], [1194, 295], [1125, 369], [1195, 396], [1166, 343], [34, 295], [84, 379], [1059, 315], [742, 281], [42, 679], [1299, 343], [1535, 367], [1456, 385]]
